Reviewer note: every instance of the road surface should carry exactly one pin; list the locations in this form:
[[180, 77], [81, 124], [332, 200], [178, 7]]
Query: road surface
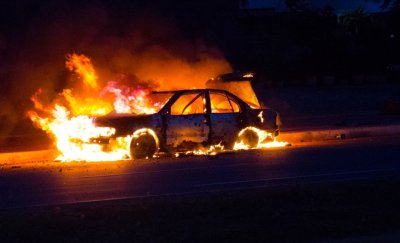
[[53, 183]]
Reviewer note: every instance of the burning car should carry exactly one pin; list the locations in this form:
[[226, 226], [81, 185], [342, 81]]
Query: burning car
[[123, 118], [185, 120]]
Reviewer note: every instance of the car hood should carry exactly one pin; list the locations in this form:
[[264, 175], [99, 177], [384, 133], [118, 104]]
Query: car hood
[[124, 123]]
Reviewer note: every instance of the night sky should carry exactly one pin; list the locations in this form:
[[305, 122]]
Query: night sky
[[338, 5]]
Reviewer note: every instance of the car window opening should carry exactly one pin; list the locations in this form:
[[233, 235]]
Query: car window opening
[[191, 103], [220, 103]]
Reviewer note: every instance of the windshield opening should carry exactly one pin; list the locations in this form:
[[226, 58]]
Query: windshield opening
[[158, 100]]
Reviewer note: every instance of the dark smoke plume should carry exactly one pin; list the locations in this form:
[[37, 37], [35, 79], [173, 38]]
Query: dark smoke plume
[[136, 42]]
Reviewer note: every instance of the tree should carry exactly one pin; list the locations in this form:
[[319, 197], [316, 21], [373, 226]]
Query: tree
[[353, 20], [390, 4]]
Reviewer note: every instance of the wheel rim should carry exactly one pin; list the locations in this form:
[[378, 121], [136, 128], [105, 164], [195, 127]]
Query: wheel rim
[[143, 146]]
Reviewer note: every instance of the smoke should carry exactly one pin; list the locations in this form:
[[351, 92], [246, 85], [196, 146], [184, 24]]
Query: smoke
[[139, 43]]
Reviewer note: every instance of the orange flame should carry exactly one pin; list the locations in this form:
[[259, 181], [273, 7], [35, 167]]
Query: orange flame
[[82, 65], [67, 119], [264, 140]]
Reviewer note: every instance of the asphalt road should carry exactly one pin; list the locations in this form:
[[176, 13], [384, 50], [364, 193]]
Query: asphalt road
[[59, 183]]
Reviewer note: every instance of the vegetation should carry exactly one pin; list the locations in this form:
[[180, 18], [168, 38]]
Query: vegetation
[[306, 42]]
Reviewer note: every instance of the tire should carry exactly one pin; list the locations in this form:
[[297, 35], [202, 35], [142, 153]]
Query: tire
[[143, 146], [250, 138]]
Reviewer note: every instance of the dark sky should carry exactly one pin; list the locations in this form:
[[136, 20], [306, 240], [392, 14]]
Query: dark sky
[[338, 5]]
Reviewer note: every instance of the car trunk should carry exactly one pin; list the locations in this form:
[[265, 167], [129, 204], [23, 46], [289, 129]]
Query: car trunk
[[238, 85]]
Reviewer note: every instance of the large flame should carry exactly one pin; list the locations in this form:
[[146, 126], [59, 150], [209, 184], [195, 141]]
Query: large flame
[[68, 118], [82, 65]]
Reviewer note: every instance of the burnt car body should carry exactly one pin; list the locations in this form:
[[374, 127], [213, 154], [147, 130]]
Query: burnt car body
[[189, 118]]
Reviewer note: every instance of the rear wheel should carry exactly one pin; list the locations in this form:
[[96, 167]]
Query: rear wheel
[[249, 138], [143, 146]]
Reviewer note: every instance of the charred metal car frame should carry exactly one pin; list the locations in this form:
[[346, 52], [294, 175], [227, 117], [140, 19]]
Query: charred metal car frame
[[190, 118]]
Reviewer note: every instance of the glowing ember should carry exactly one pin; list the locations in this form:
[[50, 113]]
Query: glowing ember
[[265, 140], [212, 150], [261, 117]]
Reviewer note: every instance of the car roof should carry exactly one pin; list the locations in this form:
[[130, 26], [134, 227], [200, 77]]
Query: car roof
[[188, 90], [201, 90]]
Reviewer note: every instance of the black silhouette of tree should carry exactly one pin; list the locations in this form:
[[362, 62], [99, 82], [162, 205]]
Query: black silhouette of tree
[[353, 20]]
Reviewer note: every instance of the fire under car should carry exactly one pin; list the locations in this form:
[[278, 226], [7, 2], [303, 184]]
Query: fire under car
[[185, 120]]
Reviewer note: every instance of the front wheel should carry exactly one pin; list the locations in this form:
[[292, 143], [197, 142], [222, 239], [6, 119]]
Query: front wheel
[[143, 146]]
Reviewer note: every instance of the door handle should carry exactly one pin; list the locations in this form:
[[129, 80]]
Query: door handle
[[204, 121]]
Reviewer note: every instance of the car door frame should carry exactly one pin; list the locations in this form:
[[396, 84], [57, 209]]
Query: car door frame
[[201, 120], [240, 117]]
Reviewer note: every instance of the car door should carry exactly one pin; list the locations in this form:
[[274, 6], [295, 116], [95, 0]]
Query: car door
[[225, 118], [187, 121]]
